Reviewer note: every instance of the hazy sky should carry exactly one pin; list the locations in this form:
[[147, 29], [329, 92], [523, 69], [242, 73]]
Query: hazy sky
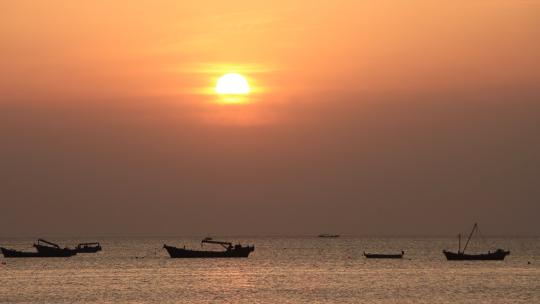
[[366, 117]]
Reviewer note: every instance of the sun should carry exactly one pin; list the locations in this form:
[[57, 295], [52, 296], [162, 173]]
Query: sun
[[232, 84]]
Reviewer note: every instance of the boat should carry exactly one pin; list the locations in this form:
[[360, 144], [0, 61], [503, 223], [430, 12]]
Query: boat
[[44, 249], [12, 253], [88, 247], [325, 235], [236, 251], [460, 255], [49, 249], [384, 255]]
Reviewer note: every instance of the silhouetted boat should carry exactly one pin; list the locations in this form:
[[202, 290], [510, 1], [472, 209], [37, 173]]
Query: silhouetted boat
[[497, 255], [384, 255], [88, 247], [325, 235], [236, 251], [44, 249], [49, 249], [12, 253]]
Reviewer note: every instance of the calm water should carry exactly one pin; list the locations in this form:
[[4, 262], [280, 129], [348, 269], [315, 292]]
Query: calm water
[[281, 270]]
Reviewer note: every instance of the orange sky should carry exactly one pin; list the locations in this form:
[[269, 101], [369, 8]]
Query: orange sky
[[362, 113], [145, 48]]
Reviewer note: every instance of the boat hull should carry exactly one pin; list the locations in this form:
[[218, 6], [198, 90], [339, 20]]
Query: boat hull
[[330, 236], [498, 255], [46, 251], [11, 253], [241, 252]]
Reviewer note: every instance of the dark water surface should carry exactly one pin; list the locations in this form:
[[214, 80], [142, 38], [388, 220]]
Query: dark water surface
[[281, 270]]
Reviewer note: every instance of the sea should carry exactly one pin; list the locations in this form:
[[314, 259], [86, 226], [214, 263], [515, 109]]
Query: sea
[[280, 270]]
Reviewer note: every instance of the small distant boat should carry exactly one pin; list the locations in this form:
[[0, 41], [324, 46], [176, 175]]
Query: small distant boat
[[49, 249], [384, 255], [497, 255], [88, 247], [325, 235], [236, 251]]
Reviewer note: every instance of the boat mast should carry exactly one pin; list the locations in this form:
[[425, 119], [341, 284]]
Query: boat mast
[[459, 243], [47, 242], [470, 235]]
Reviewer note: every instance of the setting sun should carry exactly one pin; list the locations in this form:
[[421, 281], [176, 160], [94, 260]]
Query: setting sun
[[233, 84]]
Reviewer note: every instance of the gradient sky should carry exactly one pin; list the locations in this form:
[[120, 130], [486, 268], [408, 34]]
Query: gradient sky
[[366, 117]]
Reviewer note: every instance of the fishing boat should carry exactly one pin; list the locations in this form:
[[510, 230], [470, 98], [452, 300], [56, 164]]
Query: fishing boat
[[326, 235], [88, 247], [12, 253], [236, 251], [460, 255], [49, 249], [384, 255], [44, 248]]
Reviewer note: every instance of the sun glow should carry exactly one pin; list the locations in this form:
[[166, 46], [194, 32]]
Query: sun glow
[[232, 84]]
